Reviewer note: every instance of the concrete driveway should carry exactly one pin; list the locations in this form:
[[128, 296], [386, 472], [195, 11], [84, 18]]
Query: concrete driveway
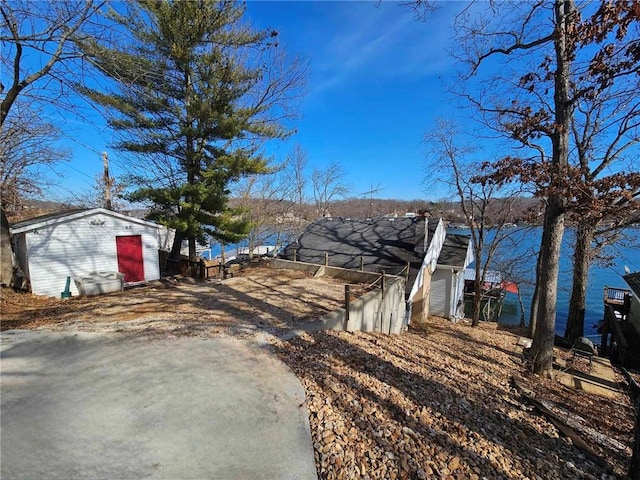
[[110, 406]]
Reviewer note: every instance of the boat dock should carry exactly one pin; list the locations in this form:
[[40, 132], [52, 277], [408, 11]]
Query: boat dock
[[620, 338]]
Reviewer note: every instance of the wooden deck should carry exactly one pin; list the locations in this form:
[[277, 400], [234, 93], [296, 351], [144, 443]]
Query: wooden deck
[[616, 296], [620, 338]]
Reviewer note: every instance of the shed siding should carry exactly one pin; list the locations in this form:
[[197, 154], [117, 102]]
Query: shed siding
[[165, 238], [82, 246], [435, 246], [430, 259], [440, 293], [457, 298], [456, 307]]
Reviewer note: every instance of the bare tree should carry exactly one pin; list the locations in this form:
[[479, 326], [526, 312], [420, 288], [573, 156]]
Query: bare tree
[[328, 184], [95, 197], [48, 30], [276, 204], [606, 132], [545, 48], [296, 169], [265, 199], [43, 31], [28, 153], [515, 266], [486, 206]]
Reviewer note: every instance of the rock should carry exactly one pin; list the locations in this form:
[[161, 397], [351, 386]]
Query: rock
[[454, 464], [329, 438], [409, 432]]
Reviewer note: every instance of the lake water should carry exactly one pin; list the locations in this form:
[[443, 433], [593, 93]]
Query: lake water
[[624, 253]]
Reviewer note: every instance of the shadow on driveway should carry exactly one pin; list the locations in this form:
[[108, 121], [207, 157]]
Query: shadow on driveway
[[94, 406]]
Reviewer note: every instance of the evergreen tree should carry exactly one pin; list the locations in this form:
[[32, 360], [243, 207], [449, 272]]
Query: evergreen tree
[[194, 93]]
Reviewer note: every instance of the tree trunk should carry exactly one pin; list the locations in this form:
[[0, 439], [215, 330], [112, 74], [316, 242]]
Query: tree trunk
[[6, 251], [543, 339], [477, 294], [542, 348], [521, 303], [192, 248], [581, 263], [176, 247], [533, 317], [193, 166]]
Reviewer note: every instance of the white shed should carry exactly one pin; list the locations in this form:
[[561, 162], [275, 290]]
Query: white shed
[[447, 282], [77, 243]]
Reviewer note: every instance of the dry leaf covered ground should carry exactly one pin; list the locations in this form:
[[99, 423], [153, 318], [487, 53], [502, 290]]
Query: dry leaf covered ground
[[434, 403], [439, 404]]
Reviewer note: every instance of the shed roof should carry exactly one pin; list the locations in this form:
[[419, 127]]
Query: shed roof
[[454, 250], [633, 280], [68, 215], [383, 243], [490, 276]]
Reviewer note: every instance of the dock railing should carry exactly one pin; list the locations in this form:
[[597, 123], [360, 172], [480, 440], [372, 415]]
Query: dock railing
[[615, 296]]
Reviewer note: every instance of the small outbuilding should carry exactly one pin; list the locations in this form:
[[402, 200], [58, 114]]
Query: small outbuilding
[[447, 281], [80, 243], [419, 248]]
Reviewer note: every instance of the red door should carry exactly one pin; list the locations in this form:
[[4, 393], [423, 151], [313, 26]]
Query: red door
[[130, 261]]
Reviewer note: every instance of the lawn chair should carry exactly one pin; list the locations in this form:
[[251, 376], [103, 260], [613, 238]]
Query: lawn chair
[[583, 347]]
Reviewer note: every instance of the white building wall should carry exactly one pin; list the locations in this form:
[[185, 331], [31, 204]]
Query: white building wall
[[165, 238], [435, 246], [440, 298], [457, 297], [430, 258], [447, 291], [81, 246]]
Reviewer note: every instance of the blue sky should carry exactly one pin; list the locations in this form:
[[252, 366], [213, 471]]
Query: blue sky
[[377, 80]]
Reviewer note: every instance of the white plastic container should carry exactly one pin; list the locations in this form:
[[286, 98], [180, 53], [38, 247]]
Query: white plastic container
[[98, 283]]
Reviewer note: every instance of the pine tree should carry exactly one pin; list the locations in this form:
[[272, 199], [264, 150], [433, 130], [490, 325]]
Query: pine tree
[[194, 93]]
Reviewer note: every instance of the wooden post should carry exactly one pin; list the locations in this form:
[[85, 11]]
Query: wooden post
[[295, 255], [382, 309], [361, 263], [605, 334], [347, 304], [108, 182], [326, 259]]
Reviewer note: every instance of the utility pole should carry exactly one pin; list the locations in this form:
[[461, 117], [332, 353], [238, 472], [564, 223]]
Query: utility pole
[[108, 181], [370, 193]]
